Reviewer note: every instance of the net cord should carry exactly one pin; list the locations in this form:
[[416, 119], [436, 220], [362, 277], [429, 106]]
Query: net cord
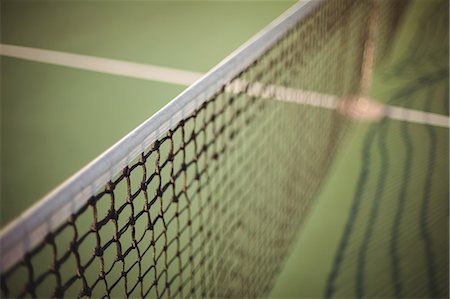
[[21, 235]]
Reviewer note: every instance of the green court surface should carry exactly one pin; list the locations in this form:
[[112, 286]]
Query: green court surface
[[380, 221], [57, 119]]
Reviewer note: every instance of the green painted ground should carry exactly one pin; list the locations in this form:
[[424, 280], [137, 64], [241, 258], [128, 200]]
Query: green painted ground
[[57, 119], [189, 35]]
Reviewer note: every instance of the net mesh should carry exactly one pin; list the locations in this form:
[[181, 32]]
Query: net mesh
[[211, 208]]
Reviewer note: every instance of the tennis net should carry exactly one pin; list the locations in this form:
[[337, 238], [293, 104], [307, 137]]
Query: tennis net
[[205, 198]]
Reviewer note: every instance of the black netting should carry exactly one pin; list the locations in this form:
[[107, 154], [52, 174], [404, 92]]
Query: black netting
[[211, 208]]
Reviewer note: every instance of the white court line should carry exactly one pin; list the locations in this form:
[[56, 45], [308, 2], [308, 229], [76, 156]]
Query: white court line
[[181, 77], [416, 116], [316, 99], [102, 65]]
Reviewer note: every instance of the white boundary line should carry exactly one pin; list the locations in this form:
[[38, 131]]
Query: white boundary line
[[102, 65], [185, 78], [416, 116], [312, 98]]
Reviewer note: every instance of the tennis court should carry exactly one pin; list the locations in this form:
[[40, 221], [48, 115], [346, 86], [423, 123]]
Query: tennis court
[[372, 220], [63, 110]]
